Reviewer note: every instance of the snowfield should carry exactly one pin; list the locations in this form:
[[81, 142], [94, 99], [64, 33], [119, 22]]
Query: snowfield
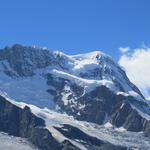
[[27, 89], [8, 142]]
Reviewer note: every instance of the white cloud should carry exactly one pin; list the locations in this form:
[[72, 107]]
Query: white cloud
[[124, 49], [137, 67]]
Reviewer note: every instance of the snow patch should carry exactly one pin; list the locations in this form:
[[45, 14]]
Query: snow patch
[[8, 142], [88, 84], [121, 129], [108, 125], [27, 89]]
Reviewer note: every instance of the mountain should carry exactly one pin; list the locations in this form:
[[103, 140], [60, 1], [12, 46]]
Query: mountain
[[30, 66], [22, 122], [90, 87]]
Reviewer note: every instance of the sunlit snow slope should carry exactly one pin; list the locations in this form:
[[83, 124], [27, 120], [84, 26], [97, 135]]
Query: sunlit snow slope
[[24, 70]]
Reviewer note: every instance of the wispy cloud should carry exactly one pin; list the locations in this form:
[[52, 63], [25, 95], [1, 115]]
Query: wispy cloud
[[137, 67], [124, 49]]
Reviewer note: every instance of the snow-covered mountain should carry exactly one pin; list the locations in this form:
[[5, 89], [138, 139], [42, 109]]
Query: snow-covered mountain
[[23, 69], [89, 87]]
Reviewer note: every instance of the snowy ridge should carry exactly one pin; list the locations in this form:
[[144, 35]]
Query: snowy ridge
[[88, 70], [106, 70], [87, 61], [91, 84], [116, 136], [88, 84]]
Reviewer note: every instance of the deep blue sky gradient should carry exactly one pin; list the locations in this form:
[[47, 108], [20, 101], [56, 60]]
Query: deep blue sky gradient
[[76, 26]]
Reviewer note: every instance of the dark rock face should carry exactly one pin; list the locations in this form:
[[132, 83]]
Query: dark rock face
[[147, 129], [22, 123], [44, 140], [9, 117], [100, 105], [24, 60], [28, 121], [130, 119], [69, 146], [89, 141]]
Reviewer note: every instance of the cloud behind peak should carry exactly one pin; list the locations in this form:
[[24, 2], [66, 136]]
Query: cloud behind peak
[[137, 67]]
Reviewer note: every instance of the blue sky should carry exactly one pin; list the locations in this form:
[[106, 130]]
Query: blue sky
[[76, 26]]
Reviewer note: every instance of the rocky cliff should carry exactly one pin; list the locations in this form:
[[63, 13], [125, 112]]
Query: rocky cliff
[[89, 87]]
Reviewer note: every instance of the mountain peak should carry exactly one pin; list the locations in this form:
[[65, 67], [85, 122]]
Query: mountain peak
[[90, 55], [89, 87], [26, 60]]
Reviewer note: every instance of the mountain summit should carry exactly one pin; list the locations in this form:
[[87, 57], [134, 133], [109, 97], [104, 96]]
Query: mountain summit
[[21, 61]]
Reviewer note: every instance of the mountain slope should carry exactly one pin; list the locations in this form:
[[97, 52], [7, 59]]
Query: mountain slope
[[90, 87], [18, 119], [23, 68]]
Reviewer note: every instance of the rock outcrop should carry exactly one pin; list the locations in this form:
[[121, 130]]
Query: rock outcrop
[[88, 141], [101, 105], [23, 123]]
